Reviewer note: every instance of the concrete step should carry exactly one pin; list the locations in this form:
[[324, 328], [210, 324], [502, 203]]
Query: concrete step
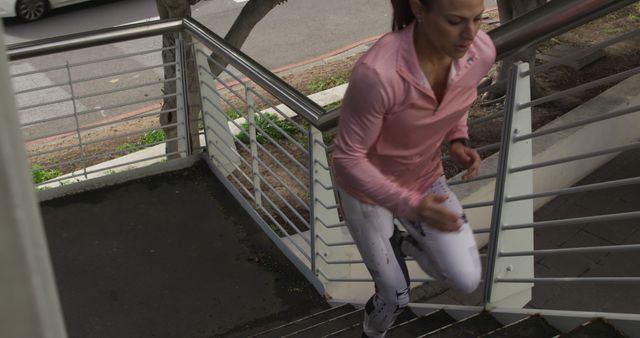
[[417, 326], [308, 321], [471, 327], [329, 326], [346, 321], [530, 327], [594, 328]]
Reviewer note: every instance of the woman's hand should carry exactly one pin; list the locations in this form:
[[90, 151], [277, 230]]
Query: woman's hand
[[433, 213], [465, 158]]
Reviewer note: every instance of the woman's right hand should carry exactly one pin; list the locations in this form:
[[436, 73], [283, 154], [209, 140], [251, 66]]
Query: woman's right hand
[[434, 214]]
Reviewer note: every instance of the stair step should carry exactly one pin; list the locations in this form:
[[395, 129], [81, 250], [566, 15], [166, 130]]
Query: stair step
[[594, 328], [467, 328], [305, 322], [420, 325], [355, 330], [530, 327], [337, 323]]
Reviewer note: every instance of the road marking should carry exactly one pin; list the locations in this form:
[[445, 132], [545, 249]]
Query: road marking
[[240, 1]]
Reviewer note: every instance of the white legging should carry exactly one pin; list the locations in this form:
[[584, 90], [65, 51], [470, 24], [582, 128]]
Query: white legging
[[446, 256]]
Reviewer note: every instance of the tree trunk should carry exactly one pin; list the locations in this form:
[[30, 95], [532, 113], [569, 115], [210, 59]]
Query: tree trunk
[[509, 10], [177, 9], [248, 18]]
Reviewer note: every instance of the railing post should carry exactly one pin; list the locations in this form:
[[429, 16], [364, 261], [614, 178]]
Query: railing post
[[182, 104], [77, 121], [253, 144], [29, 301], [324, 213], [220, 144], [516, 121]]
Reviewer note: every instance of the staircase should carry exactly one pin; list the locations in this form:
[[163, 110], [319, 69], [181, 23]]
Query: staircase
[[346, 321]]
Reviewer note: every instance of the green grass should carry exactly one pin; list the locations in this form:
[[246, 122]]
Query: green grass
[[40, 174], [266, 123], [331, 106], [233, 114], [151, 137], [326, 83]]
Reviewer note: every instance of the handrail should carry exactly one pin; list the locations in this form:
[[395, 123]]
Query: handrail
[[301, 104], [545, 22], [92, 38]]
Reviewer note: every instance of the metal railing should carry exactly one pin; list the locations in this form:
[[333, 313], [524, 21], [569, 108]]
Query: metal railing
[[271, 145]]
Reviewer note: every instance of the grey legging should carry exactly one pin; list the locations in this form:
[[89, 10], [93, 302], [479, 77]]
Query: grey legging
[[446, 256]]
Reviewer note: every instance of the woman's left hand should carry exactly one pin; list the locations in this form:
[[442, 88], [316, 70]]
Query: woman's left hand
[[465, 158]]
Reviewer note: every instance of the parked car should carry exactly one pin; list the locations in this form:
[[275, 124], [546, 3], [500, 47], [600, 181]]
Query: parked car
[[31, 10]]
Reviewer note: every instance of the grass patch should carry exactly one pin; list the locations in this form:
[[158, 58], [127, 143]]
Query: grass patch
[[326, 83], [331, 106], [40, 174], [151, 137], [266, 122]]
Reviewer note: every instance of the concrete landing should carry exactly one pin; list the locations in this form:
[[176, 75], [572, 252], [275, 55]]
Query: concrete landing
[[171, 255]]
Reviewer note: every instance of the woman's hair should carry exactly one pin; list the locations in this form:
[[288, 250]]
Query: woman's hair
[[402, 14]]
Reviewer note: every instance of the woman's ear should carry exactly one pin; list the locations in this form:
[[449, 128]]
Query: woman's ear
[[418, 9]]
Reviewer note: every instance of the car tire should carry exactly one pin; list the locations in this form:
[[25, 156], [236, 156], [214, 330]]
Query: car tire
[[31, 10]]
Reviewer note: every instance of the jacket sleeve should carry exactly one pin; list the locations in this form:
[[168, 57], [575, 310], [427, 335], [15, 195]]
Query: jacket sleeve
[[365, 104]]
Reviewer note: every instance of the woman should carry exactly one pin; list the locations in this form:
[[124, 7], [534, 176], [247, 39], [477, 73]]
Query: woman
[[410, 92]]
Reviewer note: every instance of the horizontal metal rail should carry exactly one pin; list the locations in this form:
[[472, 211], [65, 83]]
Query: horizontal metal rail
[[545, 22], [581, 188], [485, 119], [128, 71], [120, 56], [581, 88], [35, 89], [478, 205], [366, 280], [39, 71], [574, 221], [46, 103], [569, 280], [610, 115], [92, 38], [123, 89], [596, 153], [580, 53], [475, 179], [331, 226], [589, 249]]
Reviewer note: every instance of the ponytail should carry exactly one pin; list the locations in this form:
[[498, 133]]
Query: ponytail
[[402, 13]]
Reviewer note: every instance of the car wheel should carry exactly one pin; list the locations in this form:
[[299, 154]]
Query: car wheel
[[31, 10]]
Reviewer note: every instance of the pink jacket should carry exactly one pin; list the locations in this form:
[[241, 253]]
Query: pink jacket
[[388, 143]]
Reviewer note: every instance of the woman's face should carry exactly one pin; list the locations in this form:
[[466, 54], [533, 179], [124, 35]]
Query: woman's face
[[449, 26]]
